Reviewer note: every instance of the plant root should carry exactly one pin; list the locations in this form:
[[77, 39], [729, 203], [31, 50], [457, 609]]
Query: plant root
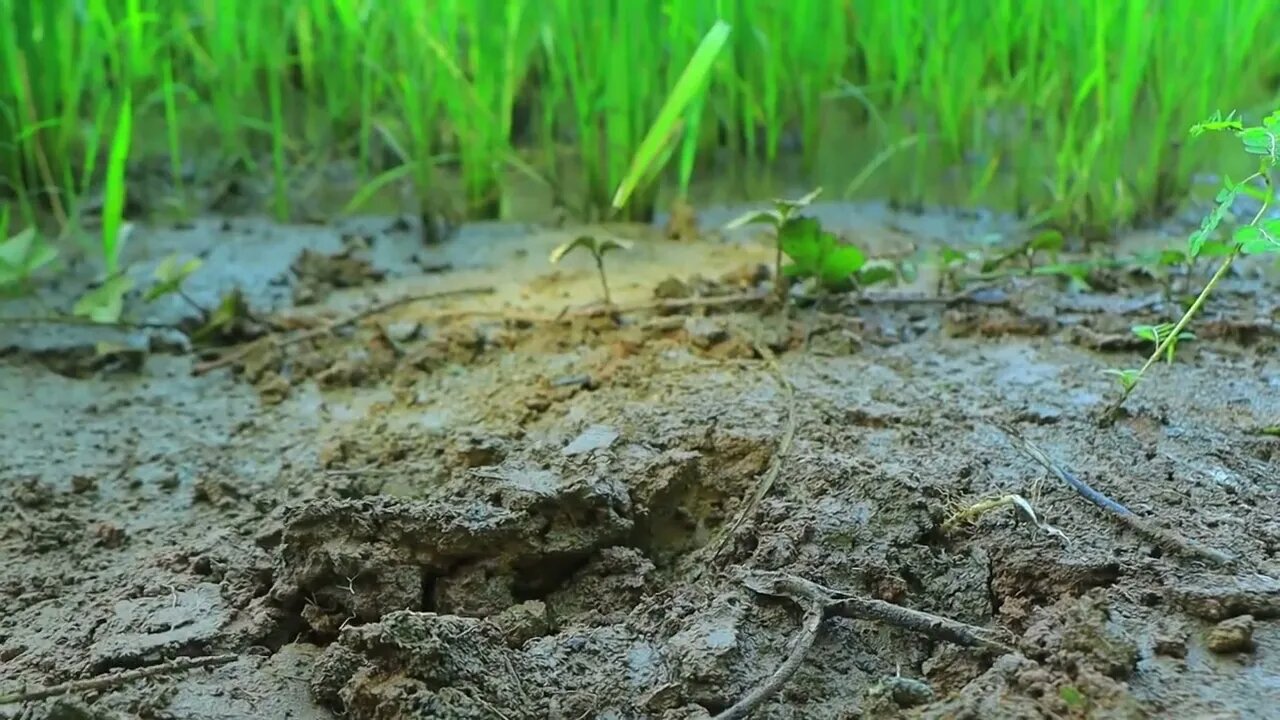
[[770, 476], [820, 603], [1166, 538], [105, 682]]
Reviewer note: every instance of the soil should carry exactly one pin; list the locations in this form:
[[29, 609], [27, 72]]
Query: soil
[[465, 507]]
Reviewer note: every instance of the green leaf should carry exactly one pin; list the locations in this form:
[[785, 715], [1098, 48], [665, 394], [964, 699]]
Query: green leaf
[[755, 217], [1259, 239], [950, 256], [22, 255], [667, 125], [592, 244], [105, 303], [1226, 198], [170, 276], [840, 262], [1260, 141], [1049, 241], [801, 240], [875, 274], [786, 208]]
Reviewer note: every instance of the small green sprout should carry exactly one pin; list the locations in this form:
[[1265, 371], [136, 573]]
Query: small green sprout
[[22, 255], [597, 248], [105, 303], [170, 275], [782, 213], [1157, 334]]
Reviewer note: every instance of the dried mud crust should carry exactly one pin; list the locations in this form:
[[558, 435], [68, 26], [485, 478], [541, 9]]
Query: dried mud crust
[[479, 516]]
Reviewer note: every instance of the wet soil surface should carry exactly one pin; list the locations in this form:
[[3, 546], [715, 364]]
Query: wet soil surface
[[483, 506]]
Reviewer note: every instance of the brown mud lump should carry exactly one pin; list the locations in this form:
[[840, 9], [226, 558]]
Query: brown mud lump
[[1232, 636]]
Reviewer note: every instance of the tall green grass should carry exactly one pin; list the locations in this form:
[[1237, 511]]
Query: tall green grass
[[1072, 113]]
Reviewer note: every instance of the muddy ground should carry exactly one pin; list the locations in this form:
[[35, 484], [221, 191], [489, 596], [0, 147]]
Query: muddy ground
[[462, 508]]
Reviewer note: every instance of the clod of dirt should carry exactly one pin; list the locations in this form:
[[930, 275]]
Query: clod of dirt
[[438, 665], [605, 590], [1217, 598], [994, 322], [318, 274], [1232, 636], [365, 558], [447, 666], [683, 222], [1082, 636]]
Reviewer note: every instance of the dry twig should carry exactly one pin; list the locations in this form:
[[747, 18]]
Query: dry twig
[[1166, 538], [329, 327], [104, 682], [821, 602]]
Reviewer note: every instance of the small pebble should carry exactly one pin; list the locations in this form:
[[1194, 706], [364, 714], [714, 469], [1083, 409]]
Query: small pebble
[[1232, 636]]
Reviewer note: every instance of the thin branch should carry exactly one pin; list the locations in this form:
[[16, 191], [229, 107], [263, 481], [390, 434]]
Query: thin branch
[[820, 603], [1162, 536], [104, 682], [329, 327], [813, 617]]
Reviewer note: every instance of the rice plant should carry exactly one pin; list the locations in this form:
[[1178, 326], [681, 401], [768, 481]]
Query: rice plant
[[1071, 114]]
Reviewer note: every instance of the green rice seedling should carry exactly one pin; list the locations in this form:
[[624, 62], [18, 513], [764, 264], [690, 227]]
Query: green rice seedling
[[1259, 236], [684, 100], [484, 48], [598, 249]]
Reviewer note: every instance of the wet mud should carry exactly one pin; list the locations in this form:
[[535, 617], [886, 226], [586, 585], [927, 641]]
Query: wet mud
[[495, 503]]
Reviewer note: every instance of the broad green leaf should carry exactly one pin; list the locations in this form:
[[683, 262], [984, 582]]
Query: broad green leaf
[[840, 262], [801, 240], [1258, 239], [22, 255], [785, 208], [1049, 241]]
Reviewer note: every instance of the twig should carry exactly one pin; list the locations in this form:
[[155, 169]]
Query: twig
[[814, 613], [821, 602], [1162, 536], [770, 476], [329, 327], [77, 320], [103, 682]]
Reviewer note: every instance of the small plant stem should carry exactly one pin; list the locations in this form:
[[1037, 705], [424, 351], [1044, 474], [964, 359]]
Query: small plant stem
[[777, 272], [1172, 336], [604, 279]]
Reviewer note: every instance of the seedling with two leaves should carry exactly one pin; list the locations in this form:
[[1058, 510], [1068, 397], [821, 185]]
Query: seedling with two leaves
[[598, 248], [1259, 236], [816, 254]]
